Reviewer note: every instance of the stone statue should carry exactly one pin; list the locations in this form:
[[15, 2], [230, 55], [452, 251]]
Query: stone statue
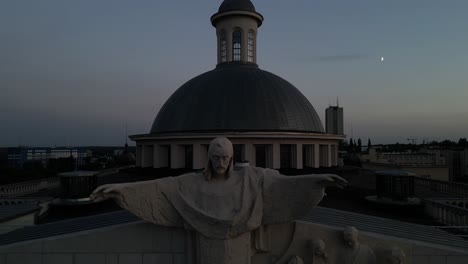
[[223, 206], [355, 252], [295, 260], [318, 252], [398, 256]]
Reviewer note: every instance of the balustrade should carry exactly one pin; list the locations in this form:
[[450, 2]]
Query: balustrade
[[451, 188], [444, 211], [15, 189]]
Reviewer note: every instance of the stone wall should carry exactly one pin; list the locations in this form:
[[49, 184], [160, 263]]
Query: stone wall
[[18, 222], [132, 244], [144, 243]]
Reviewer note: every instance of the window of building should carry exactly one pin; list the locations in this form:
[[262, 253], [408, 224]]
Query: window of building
[[223, 46], [250, 47], [189, 156], [264, 156], [239, 151], [260, 156], [236, 45], [287, 156]]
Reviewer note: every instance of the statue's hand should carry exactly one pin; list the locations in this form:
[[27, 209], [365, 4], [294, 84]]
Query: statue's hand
[[332, 180], [104, 192]]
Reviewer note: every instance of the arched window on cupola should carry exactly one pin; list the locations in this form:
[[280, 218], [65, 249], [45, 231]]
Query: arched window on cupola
[[250, 46], [223, 46], [236, 45]]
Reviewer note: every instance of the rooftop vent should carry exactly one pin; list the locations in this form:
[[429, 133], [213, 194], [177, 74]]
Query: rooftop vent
[[76, 186]]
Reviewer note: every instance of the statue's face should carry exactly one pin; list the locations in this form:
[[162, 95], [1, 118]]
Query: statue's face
[[398, 256], [319, 249], [295, 260], [396, 260], [350, 239], [220, 159]]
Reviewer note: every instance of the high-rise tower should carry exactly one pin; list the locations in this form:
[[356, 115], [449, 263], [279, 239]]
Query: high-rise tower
[[334, 120]]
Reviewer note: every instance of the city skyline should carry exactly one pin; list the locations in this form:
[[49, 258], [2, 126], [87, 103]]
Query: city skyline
[[75, 73]]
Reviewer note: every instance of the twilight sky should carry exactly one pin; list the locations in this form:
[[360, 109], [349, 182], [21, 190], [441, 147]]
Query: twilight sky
[[75, 72]]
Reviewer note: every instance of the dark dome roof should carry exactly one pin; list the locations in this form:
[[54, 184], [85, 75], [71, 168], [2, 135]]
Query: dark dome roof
[[237, 97], [229, 5]]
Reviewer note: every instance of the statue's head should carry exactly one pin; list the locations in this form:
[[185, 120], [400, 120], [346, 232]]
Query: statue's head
[[398, 256], [295, 260], [350, 236], [318, 247], [219, 159]]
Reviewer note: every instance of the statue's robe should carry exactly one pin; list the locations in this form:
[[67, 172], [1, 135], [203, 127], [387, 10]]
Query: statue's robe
[[363, 254], [223, 212]]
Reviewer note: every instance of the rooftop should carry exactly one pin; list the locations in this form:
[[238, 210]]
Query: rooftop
[[319, 215]]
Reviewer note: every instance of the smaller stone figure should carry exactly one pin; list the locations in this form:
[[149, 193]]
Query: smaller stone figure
[[318, 252], [398, 256], [295, 260], [355, 252]]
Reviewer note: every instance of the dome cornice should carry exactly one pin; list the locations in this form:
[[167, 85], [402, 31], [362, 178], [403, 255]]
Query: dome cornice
[[257, 16]]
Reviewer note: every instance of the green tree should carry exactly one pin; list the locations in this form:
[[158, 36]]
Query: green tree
[[351, 145], [359, 145], [463, 143], [343, 145]]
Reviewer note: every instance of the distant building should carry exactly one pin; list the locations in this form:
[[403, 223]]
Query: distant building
[[464, 164], [16, 157], [20, 155], [454, 160], [334, 120], [414, 159], [425, 163], [457, 161], [3, 156]]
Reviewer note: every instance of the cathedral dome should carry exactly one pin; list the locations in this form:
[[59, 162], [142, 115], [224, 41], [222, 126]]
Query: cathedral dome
[[237, 98]]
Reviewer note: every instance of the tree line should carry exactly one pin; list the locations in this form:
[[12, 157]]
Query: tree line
[[356, 146]]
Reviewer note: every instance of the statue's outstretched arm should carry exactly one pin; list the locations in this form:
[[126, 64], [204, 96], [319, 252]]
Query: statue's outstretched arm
[[327, 180], [145, 199], [289, 198], [103, 192]]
